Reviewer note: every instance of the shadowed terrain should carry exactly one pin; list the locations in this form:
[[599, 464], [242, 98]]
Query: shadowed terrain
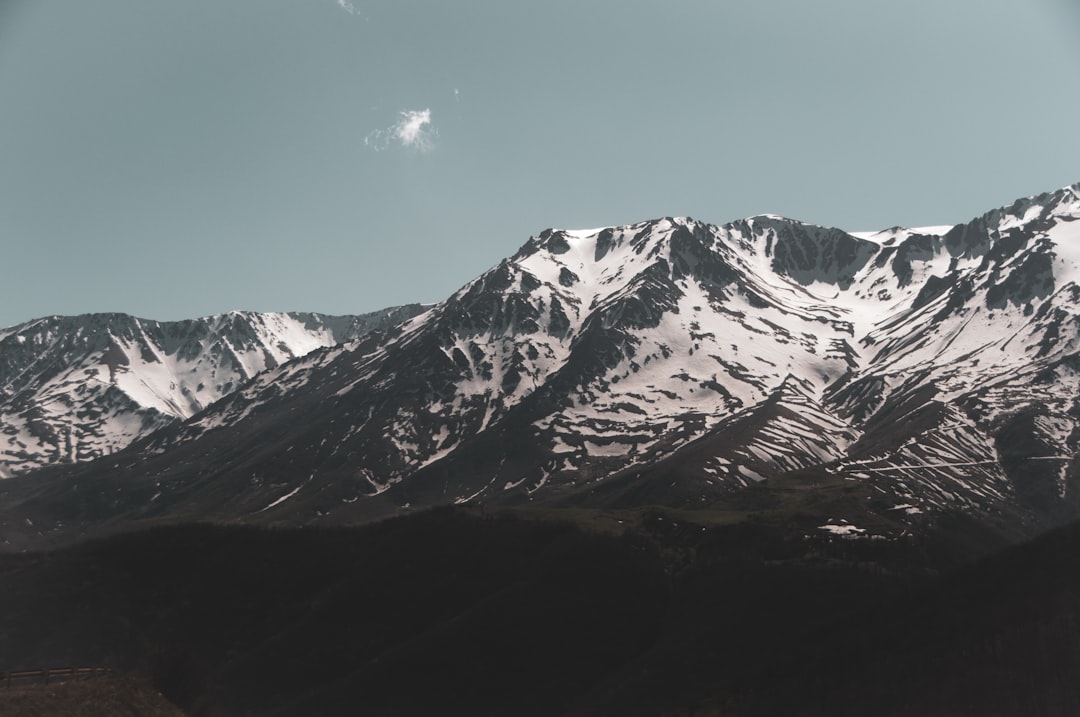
[[111, 696], [455, 612]]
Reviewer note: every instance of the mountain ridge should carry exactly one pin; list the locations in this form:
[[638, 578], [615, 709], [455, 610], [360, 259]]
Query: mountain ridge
[[74, 388], [761, 349]]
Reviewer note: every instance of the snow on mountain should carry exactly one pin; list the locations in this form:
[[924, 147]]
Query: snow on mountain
[[674, 361], [75, 388]]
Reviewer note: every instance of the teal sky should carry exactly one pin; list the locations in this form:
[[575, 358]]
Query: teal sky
[[177, 158]]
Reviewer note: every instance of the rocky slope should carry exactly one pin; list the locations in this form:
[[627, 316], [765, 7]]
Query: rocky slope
[[73, 388], [672, 362]]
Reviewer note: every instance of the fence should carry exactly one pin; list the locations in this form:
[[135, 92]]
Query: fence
[[64, 674]]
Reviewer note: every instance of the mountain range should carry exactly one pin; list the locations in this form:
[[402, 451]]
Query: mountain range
[[74, 388], [878, 382]]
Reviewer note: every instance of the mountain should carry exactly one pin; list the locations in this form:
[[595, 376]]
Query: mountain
[[899, 376], [74, 388]]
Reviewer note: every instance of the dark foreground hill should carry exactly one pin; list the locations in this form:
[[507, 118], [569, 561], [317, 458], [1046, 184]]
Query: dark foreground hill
[[455, 612]]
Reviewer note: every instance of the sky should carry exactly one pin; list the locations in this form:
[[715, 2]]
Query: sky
[[180, 158]]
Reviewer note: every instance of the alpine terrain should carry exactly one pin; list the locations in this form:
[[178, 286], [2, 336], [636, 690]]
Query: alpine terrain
[[641, 470], [915, 373], [73, 388]]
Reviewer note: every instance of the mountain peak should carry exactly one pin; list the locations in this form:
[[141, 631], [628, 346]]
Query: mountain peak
[[679, 361], [74, 388]]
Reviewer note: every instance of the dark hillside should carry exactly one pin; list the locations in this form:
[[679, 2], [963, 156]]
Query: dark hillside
[[402, 616], [454, 612]]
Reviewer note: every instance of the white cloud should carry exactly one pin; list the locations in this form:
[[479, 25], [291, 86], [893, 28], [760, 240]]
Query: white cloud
[[413, 130], [346, 6], [410, 130]]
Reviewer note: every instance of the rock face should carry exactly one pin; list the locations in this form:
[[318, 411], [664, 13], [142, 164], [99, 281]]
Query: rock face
[[670, 362], [74, 388]]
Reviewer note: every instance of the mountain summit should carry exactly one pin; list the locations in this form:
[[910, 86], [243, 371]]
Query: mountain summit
[[73, 388], [667, 362]]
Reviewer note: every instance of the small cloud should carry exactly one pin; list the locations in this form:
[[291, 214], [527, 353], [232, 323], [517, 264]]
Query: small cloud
[[347, 6], [410, 129], [413, 130]]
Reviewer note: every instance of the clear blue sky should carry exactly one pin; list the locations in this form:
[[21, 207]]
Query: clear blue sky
[[177, 158]]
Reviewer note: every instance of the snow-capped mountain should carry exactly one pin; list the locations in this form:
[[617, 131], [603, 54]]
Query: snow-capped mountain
[[73, 388], [670, 362]]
